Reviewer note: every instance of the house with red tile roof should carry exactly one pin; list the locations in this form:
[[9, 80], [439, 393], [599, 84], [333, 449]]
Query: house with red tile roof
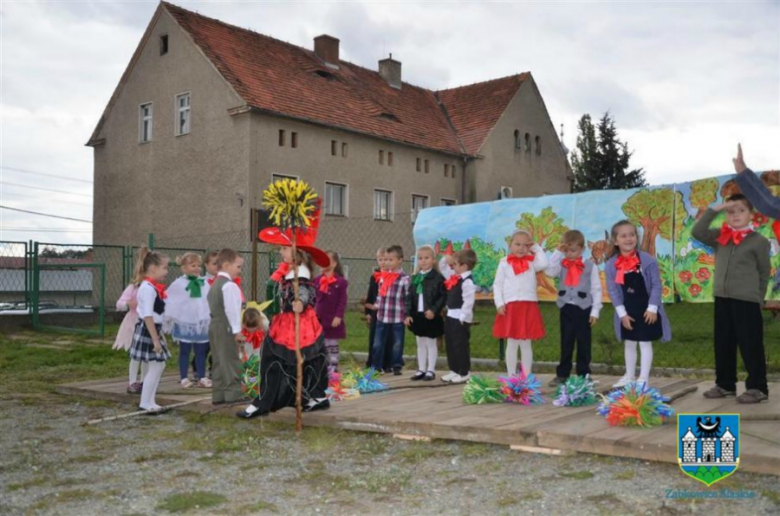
[[206, 114]]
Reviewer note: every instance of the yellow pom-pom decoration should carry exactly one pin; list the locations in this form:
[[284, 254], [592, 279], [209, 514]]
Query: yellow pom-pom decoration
[[292, 203]]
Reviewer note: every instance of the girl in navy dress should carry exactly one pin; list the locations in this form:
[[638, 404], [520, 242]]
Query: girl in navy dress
[[635, 287]]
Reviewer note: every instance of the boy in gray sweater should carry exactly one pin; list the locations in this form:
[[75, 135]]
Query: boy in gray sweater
[[741, 277]]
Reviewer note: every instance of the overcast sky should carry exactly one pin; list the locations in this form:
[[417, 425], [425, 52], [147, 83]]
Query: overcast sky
[[684, 81]]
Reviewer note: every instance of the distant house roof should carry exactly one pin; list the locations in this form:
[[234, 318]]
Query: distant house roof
[[282, 79]]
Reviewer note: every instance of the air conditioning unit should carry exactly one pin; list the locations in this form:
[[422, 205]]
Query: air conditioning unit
[[505, 192]]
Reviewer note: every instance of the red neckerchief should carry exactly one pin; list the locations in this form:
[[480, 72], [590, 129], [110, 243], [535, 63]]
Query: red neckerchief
[[735, 235], [237, 281], [326, 282], [453, 280], [280, 272], [519, 263], [776, 229], [386, 279], [159, 287], [377, 276], [574, 270], [625, 264], [254, 337], [211, 280]]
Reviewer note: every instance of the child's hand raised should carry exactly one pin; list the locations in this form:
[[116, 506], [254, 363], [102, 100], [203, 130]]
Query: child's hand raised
[[651, 317], [563, 247], [626, 321], [739, 162]]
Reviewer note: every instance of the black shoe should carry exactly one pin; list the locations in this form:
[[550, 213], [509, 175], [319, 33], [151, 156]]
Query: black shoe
[[429, 376], [247, 415], [321, 405], [397, 371], [387, 370], [419, 376], [215, 403]]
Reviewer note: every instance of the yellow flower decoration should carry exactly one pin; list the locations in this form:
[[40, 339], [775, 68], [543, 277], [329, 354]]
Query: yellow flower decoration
[[292, 203]]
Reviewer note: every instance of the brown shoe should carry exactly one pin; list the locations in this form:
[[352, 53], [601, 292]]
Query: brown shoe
[[135, 388], [719, 392], [752, 396]]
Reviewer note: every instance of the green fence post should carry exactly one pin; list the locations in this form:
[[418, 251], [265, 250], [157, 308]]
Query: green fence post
[[34, 298], [151, 240]]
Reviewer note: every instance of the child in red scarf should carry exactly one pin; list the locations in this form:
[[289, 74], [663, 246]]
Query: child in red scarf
[[330, 307], [742, 270], [635, 287], [519, 319], [579, 300]]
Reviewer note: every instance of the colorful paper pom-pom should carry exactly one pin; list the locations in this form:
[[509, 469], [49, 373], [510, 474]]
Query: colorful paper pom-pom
[[292, 203], [337, 392], [480, 390], [577, 391], [250, 376], [631, 406], [363, 380], [521, 389]]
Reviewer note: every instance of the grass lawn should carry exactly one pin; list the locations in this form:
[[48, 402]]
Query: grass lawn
[[691, 345]]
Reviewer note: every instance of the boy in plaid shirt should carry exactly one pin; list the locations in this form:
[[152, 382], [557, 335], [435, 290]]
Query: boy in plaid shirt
[[391, 311]]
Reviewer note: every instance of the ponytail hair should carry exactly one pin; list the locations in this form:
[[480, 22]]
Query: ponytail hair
[[146, 258]]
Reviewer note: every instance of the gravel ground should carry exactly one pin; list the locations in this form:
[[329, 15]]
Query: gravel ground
[[217, 465]]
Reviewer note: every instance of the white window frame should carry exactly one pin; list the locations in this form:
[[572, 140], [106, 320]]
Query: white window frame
[[275, 177], [453, 202], [142, 119], [345, 206], [416, 211], [179, 110], [390, 205]]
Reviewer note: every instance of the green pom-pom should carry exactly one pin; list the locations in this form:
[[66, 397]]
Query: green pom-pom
[[480, 390]]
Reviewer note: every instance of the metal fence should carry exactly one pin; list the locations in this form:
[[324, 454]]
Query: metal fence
[[356, 240]]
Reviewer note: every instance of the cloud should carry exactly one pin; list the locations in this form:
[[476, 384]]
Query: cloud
[[684, 81]]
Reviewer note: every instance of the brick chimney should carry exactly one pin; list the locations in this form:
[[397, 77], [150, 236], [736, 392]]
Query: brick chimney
[[327, 48], [390, 70]]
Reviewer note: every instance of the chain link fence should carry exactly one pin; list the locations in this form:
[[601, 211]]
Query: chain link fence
[[356, 240]]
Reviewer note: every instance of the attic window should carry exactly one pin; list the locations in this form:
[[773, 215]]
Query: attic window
[[389, 116], [324, 74], [163, 44]]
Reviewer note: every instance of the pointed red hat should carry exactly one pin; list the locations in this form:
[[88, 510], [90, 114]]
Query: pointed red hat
[[304, 239], [467, 245], [448, 250]]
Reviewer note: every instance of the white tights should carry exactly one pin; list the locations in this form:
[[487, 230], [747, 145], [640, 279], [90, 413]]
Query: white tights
[[427, 354], [134, 365], [151, 382], [526, 356], [646, 363]]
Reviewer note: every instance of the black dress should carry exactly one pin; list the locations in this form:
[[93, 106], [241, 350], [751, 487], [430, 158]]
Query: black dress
[[278, 364], [635, 299]]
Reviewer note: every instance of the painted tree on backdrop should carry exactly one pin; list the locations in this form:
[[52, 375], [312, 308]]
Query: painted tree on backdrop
[[659, 212], [601, 160], [546, 230]]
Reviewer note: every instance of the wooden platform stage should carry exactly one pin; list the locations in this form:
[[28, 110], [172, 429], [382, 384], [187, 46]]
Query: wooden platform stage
[[434, 410]]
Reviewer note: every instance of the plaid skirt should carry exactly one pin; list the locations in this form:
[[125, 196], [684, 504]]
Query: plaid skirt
[[142, 348]]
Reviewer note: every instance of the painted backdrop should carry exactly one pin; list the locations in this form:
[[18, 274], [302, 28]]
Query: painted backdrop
[[664, 215]]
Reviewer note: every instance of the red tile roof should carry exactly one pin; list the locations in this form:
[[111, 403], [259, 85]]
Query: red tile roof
[[475, 109], [286, 80]]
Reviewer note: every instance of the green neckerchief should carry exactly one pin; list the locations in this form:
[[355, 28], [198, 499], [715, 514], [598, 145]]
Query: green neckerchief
[[417, 281], [194, 286]]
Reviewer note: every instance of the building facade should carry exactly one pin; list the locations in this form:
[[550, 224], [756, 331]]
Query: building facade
[[207, 114]]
